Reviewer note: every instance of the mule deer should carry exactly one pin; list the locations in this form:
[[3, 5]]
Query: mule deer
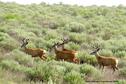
[[34, 52], [65, 54], [105, 60]]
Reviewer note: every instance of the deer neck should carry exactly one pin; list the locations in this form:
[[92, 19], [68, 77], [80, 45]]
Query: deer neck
[[97, 54], [24, 48], [58, 48], [55, 48]]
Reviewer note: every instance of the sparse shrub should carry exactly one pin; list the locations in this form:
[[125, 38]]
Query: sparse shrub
[[122, 72], [122, 63]]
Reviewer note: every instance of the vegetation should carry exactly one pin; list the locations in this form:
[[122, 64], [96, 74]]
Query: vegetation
[[46, 24]]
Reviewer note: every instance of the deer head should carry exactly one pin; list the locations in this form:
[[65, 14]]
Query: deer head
[[65, 40], [54, 46], [96, 47], [59, 45], [24, 42]]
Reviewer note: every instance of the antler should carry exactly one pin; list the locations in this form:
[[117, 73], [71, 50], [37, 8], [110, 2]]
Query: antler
[[95, 46], [23, 40], [65, 40], [55, 44], [26, 40]]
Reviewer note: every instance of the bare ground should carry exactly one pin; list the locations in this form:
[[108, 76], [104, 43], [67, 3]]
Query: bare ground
[[108, 77]]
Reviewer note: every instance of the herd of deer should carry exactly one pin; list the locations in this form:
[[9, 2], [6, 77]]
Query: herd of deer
[[69, 55]]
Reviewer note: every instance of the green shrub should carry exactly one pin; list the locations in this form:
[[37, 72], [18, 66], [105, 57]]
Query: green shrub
[[120, 54], [46, 71], [51, 34], [77, 38], [6, 42], [41, 72], [50, 24], [73, 46], [70, 66], [86, 58], [90, 71], [73, 77], [21, 57], [10, 64], [122, 63], [11, 16], [106, 52], [24, 33], [75, 27], [121, 82]]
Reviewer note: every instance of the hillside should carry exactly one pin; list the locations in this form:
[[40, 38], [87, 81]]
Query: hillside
[[46, 24]]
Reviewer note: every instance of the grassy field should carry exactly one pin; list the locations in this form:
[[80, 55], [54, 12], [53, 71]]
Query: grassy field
[[46, 24]]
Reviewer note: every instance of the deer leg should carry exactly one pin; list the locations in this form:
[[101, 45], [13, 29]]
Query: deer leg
[[102, 67], [74, 60], [32, 62], [44, 57], [78, 61], [63, 60], [113, 69], [116, 68], [99, 66]]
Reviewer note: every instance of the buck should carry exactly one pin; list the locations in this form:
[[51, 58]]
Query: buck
[[65, 54], [61, 45], [34, 52], [105, 60]]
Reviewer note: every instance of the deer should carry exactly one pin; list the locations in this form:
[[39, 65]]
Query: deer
[[34, 52], [65, 54], [61, 45], [105, 60]]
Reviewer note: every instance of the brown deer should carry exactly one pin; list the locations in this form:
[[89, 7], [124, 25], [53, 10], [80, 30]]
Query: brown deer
[[61, 45], [34, 52], [64, 54], [105, 61]]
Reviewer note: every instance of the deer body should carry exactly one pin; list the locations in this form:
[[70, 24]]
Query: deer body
[[106, 61], [34, 52], [65, 55], [61, 46]]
